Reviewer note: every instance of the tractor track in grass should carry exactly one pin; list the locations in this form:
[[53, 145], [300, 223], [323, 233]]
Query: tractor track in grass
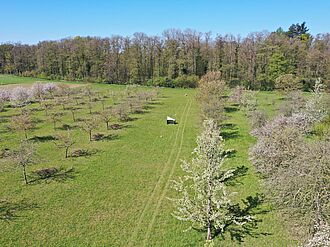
[[163, 193], [157, 187]]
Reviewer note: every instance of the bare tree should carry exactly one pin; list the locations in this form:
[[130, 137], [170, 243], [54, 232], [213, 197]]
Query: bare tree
[[23, 123], [121, 112], [90, 107], [73, 109], [24, 156], [55, 117], [65, 141], [106, 116], [89, 125], [46, 106]]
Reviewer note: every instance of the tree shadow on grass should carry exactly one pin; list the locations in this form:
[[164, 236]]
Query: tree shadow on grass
[[117, 126], [67, 127], [231, 153], [228, 126], [148, 107], [102, 137], [110, 137], [249, 210], [9, 210], [240, 171], [52, 174], [154, 103], [131, 119], [229, 109], [230, 134], [83, 153], [42, 138], [243, 219]]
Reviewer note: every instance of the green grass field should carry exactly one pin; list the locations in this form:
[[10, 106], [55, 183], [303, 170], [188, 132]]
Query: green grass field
[[6, 80], [118, 195]]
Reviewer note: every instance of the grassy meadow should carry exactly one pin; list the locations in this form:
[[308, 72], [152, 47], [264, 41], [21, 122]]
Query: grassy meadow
[[118, 195]]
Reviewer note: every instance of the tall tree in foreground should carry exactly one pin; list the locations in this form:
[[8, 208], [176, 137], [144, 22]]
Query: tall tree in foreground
[[204, 199]]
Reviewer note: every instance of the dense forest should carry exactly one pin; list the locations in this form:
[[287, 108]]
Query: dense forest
[[176, 58]]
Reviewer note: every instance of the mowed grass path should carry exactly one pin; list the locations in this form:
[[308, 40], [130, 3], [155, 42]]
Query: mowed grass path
[[118, 196]]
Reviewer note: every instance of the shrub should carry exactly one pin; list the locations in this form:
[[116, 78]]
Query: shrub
[[186, 81], [160, 82], [287, 83]]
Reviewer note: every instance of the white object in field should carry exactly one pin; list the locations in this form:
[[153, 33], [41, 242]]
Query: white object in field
[[170, 120]]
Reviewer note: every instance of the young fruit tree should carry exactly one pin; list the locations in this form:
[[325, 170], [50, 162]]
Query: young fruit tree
[[22, 123], [121, 112], [38, 91], [55, 117], [205, 201], [50, 88], [89, 125], [24, 156], [90, 107], [106, 116], [73, 109], [4, 97], [65, 141], [46, 106], [20, 96]]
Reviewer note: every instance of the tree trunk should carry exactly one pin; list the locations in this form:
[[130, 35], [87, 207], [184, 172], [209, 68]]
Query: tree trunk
[[90, 135], [107, 125], [209, 224], [73, 117], [24, 174], [25, 134]]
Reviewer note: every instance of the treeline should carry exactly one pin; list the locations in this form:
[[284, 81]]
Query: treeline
[[176, 58]]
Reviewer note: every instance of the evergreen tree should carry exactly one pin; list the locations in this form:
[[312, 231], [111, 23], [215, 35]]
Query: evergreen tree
[[278, 65]]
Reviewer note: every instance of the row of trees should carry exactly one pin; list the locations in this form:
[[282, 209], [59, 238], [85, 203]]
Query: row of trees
[[177, 58], [205, 198], [295, 169]]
